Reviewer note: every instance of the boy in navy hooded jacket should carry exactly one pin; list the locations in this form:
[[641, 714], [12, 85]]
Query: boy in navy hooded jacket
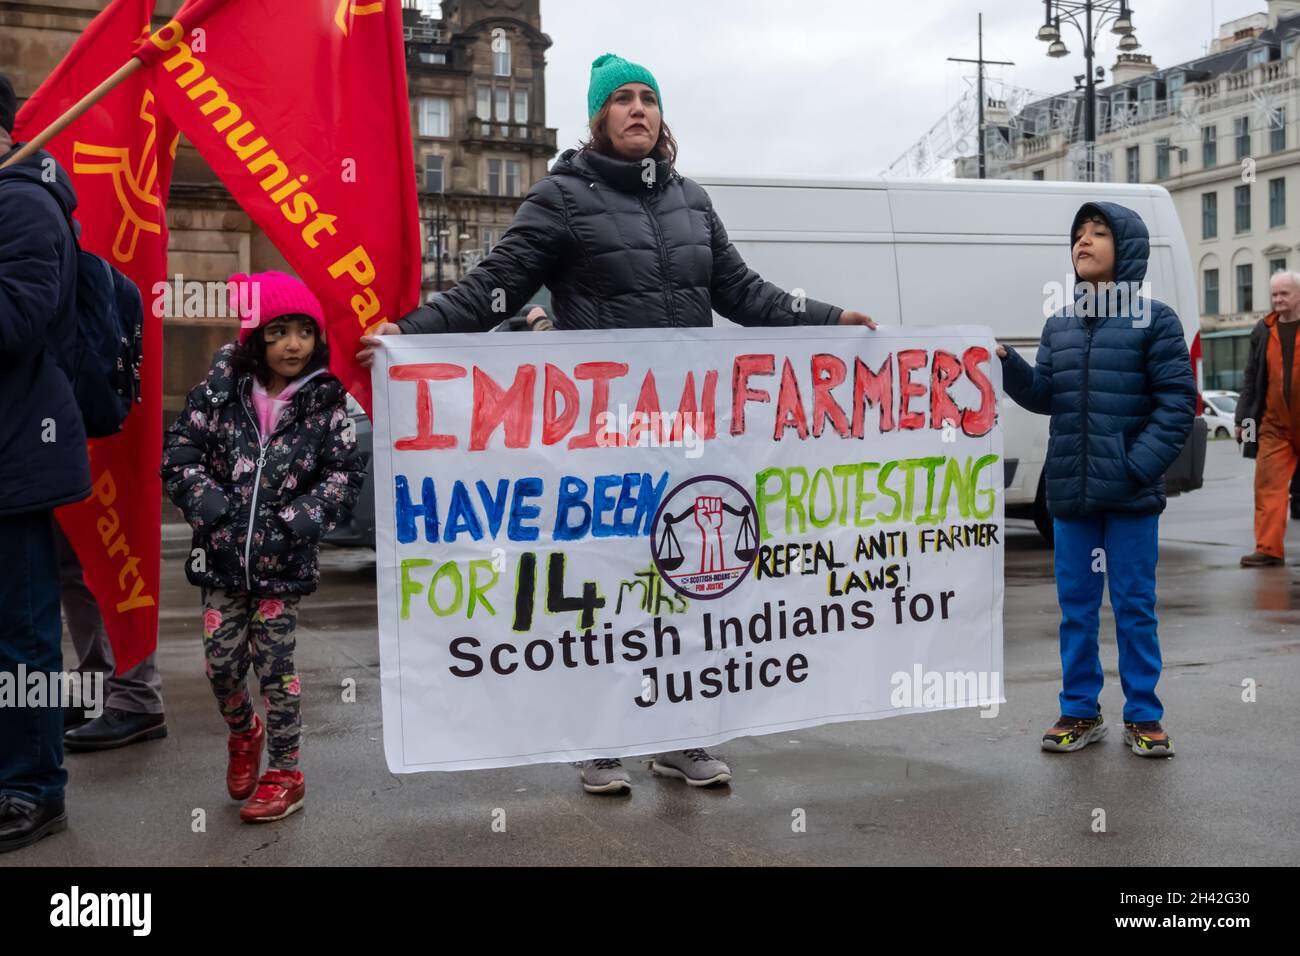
[[1114, 374]]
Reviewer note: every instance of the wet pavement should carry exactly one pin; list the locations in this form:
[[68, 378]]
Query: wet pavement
[[943, 788]]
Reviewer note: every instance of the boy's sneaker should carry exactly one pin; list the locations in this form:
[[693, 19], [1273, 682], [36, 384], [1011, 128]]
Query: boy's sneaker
[[1258, 559], [1147, 738], [1074, 733], [695, 766], [279, 793], [604, 775]]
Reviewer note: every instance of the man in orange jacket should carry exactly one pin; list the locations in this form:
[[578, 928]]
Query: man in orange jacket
[[1268, 416]]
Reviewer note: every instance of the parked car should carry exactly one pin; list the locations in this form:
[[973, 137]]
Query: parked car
[[1220, 412]]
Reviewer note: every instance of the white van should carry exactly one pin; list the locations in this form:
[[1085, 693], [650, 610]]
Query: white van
[[916, 252]]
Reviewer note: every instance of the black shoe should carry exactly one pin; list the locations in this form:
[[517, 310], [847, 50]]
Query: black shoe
[[1259, 559], [23, 822], [115, 728], [74, 717]]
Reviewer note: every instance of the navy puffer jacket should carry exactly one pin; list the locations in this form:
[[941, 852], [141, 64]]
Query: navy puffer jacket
[[1118, 386], [43, 461], [616, 253]]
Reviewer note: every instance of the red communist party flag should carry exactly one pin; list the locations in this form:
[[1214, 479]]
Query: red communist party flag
[[301, 109], [119, 155]]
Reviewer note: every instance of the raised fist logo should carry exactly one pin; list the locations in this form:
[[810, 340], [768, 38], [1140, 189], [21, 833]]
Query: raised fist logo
[[728, 547], [708, 518]]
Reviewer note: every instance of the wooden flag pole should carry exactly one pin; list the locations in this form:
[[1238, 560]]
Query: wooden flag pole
[[85, 103]]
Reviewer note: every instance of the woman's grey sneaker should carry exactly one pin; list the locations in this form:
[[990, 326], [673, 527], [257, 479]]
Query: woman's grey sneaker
[[604, 775], [1073, 733], [695, 766]]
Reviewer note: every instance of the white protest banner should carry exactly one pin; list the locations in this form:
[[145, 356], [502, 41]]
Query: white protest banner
[[615, 543]]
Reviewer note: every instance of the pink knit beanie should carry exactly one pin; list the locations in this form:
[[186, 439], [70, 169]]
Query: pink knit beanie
[[273, 294]]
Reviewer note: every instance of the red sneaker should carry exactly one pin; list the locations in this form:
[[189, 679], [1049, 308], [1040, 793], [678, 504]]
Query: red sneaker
[[279, 793], [245, 759]]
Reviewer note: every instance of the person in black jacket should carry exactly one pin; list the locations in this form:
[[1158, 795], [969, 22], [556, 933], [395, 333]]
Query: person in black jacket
[[1268, 417], [1113, 373], [43, 464], [623, 241]]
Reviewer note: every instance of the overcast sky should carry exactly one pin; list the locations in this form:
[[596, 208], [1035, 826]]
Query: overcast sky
[[836, 88]]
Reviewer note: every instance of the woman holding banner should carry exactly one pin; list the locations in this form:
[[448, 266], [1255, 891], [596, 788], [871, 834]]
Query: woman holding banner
[[623, 241]]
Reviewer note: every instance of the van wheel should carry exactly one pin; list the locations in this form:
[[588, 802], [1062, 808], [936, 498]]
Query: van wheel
[[1220, 433], [1042, 519]]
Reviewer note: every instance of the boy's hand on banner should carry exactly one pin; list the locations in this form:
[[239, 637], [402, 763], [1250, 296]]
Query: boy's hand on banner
[[1001, 350], [848, 317], [366, 357]]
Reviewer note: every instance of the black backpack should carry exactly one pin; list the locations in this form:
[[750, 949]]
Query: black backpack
[[105, 371]]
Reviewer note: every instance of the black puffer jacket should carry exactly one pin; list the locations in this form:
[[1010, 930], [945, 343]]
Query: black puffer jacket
[[616, 253], [304, 483], [43, 461]]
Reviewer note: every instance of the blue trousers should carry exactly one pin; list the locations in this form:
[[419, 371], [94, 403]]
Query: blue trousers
[[1122, 548], [31, 738]]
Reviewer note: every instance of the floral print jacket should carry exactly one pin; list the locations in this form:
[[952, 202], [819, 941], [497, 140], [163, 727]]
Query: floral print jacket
[[285, 490]]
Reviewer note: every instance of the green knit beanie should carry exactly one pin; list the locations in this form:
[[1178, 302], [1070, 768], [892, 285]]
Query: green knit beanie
[[608, 73]]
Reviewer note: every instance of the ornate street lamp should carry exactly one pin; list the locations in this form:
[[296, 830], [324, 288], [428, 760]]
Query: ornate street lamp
[[1089, 17]]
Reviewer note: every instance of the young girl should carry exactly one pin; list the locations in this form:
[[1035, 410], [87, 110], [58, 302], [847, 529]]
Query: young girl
[[263, 462]]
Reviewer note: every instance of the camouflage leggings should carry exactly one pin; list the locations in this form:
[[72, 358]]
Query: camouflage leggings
[[239, 629]]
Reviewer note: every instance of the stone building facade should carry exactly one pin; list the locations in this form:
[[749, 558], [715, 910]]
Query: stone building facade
[[476, 78]]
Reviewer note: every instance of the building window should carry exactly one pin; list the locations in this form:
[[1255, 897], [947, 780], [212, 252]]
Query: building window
[[490, 239], [1209, 146], [1134, 157], [1245, 288], [494, 177], [1038, 175], [1243, 209], [1257, 57], [1209, 215], [1276, 203], [1241, 126], [1277, 130], [1276, 265], [433, 173], [501, 56], [1211, 292], [502, 102], [1146, 100], [1162, 159], [1105, 167], [1288, 48], [1175, 91], [483, 108], [521, 106], [514, 178], [435, 116], [433, 58]]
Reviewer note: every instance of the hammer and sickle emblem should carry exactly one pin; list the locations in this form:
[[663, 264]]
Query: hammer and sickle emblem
[[133, 183], [347, 7]]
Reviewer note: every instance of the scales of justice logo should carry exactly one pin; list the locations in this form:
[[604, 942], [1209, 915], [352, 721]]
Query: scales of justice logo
[[705, 537]]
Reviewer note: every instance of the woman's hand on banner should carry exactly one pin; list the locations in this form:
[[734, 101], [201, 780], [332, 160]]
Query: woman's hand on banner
[[366, 357], [848, 317], [1002, 351]]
